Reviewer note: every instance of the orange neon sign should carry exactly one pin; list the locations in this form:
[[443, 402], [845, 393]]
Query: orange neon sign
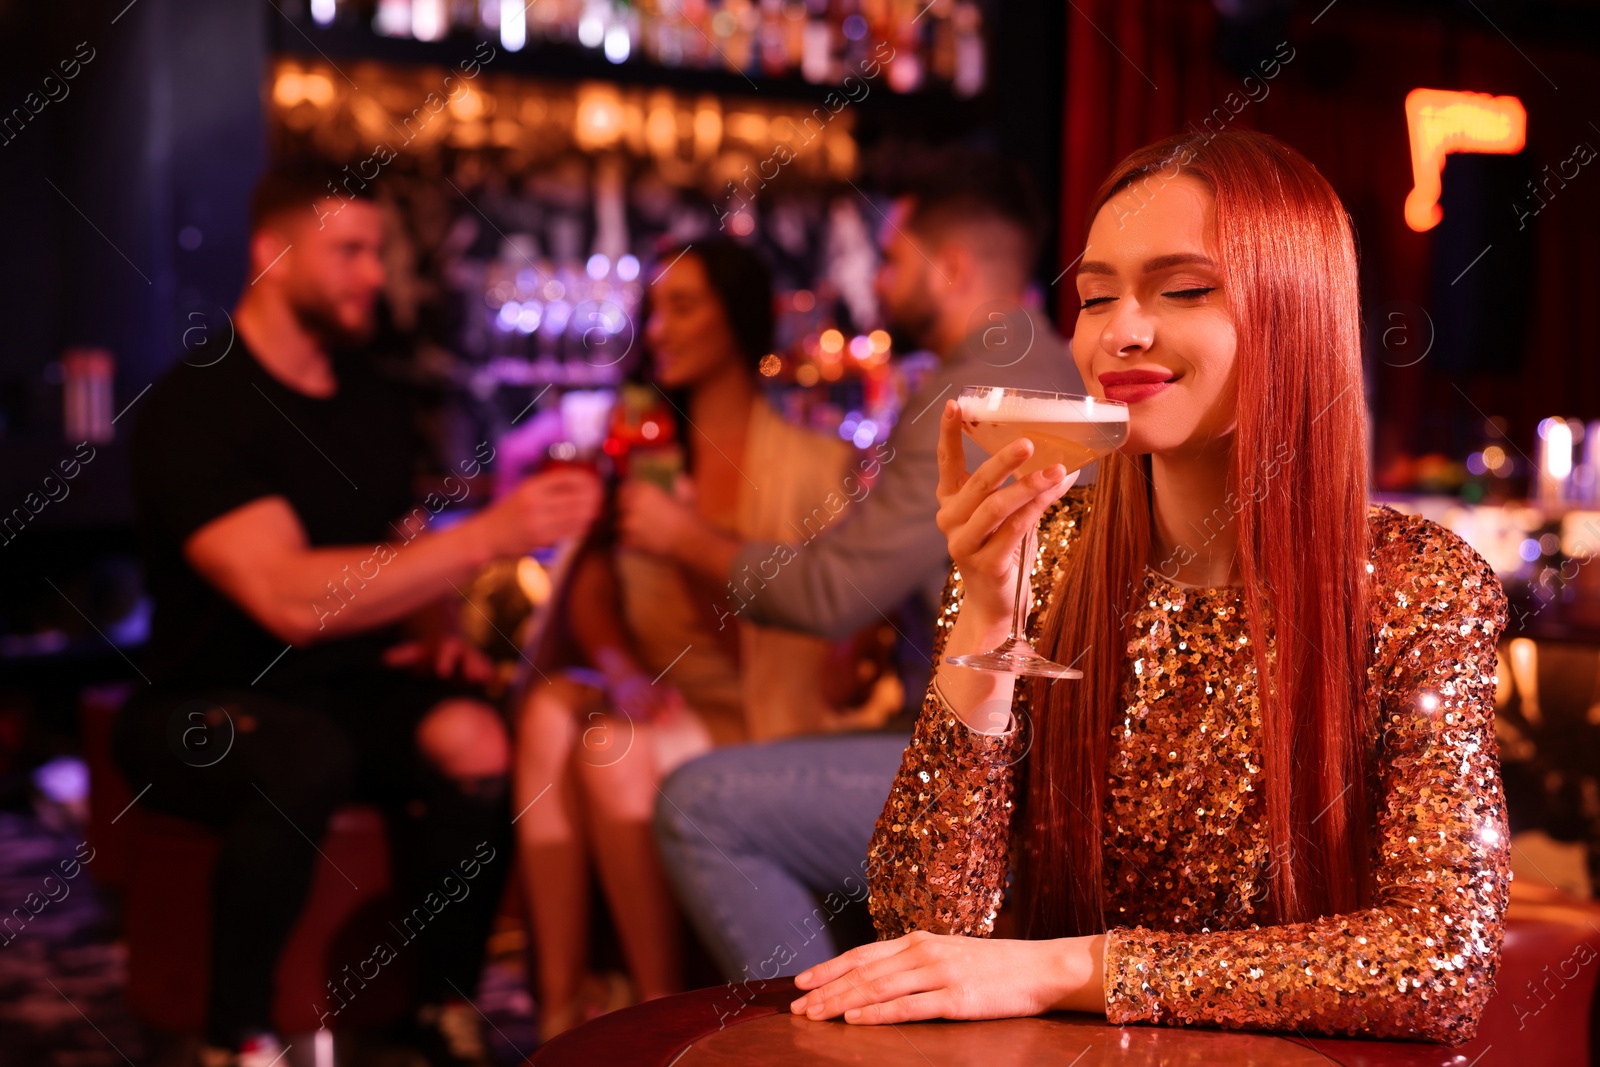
[[1442, 121]]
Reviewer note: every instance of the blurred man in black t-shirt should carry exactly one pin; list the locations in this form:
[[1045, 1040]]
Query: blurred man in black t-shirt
[[285, 544]]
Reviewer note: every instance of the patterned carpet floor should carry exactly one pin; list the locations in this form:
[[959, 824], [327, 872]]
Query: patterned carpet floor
[[63, 972]]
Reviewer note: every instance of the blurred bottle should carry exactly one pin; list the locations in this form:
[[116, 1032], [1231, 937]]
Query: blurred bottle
[[643, 438], [430, 19], [773, 37], [821, 41], [87, 375], [971, 61], [463, 16], [392, 18], [1555, 454]]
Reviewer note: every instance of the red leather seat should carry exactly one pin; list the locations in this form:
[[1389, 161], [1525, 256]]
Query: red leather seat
[[1545, 989], [163, 864]]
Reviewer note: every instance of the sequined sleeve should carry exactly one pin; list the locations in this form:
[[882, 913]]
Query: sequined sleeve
[[940, 853], [1419, 963]]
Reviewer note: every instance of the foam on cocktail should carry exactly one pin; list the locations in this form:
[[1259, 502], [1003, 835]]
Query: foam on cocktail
[[1000, 406], [1066, 430], [1070, 430]]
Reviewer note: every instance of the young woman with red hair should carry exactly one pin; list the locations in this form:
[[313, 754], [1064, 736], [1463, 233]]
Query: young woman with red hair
[[1273, 801]]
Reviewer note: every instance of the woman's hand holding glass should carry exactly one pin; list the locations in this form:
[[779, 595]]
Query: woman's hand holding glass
[[983, 521], [653, 520]]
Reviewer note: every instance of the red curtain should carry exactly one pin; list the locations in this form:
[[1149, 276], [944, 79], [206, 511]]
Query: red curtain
[[1137, 70]]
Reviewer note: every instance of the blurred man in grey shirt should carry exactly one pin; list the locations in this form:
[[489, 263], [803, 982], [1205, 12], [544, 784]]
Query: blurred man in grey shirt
[[956, 261], [794, 818]]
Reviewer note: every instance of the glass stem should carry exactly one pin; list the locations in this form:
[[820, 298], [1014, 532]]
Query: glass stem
[[1019, 616]]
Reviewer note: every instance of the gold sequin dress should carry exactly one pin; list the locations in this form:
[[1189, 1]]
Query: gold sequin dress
[[1185, 839]]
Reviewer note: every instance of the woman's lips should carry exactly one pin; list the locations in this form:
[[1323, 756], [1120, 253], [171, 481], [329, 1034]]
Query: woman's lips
[[1131, 394], [1131, 386]]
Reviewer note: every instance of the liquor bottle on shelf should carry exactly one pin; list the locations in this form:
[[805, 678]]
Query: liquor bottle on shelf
[[821, 40], [855, 34], [773, 35], [971, 70], [662, 29], [430, 19], [593, 22], [392, 18], [464, 16]]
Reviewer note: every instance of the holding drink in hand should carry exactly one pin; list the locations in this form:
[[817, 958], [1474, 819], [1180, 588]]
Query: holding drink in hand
[[1066, 433]]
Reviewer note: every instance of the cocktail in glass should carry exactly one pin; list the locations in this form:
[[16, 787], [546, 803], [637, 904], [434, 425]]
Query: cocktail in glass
[[1065, 428]]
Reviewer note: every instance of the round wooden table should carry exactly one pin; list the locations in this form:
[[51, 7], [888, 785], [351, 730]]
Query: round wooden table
[[739, 1025], [1547, 993]]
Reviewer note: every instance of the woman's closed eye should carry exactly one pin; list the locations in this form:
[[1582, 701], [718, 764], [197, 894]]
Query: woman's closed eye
[[1194, 293]]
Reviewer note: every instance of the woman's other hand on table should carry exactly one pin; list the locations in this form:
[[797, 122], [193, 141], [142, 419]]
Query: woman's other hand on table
[[939, 976]]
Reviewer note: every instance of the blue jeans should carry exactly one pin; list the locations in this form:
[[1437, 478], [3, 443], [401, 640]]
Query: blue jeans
[[767, 846]]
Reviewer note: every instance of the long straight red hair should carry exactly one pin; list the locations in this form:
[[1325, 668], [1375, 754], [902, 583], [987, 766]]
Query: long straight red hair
[[1298, 476]]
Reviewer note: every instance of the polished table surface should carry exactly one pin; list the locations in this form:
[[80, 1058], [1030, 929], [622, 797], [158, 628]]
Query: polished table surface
[[780, 1040], [1541, 1013], [750, 1024]]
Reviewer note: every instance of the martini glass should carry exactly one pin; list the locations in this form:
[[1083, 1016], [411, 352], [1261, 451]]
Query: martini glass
[[1065, 428]]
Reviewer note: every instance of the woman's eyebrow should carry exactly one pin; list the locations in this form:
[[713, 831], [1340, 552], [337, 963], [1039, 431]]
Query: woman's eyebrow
[[1177, 259]]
